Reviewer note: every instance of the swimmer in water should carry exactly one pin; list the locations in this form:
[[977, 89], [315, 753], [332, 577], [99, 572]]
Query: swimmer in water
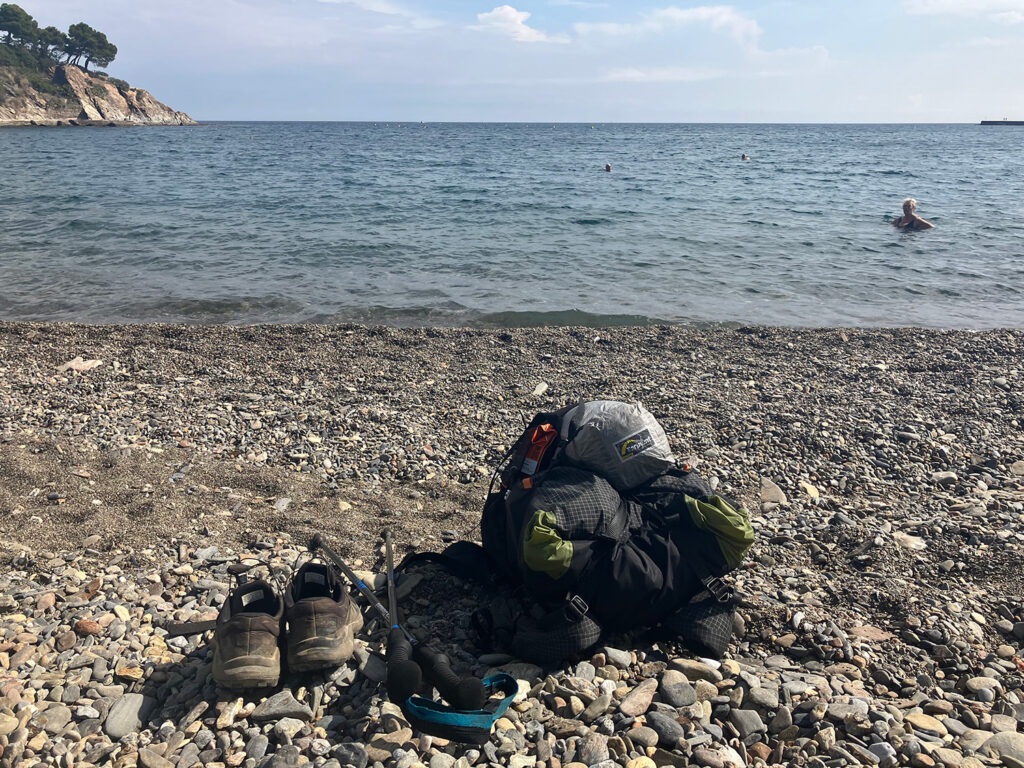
[[910, 220], [608, 167], [745, 156]]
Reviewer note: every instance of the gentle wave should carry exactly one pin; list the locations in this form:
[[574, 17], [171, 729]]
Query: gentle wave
[[501, 225]]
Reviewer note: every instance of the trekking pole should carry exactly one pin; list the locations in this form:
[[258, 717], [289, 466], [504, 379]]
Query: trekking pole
[[319, 542], [389, 555], [404, 675], [461, 692]]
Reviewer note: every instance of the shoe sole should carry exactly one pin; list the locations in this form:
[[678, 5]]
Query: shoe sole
[[248, 671], [324, 651]]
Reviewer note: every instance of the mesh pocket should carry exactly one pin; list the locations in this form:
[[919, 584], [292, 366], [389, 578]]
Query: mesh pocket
[[557, 641], [704, 625]]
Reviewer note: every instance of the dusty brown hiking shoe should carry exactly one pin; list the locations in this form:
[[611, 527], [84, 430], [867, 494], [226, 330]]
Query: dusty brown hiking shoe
[[322, 620], [246, 653]]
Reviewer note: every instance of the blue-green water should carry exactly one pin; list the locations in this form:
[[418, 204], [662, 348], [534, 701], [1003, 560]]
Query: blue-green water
[[488, 224]]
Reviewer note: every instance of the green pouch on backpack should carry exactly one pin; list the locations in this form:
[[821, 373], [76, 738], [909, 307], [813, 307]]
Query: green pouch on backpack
[[731, 526], [544, 550]]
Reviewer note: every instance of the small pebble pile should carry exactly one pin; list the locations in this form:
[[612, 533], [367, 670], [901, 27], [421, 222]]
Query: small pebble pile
[[882, 613]]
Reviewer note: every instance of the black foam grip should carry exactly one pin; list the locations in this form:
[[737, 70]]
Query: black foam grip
[[399, 649], [404, 676], [403, 680], [460, 692]]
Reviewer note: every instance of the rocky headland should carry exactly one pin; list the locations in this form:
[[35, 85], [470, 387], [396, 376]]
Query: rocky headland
[[882, 614], [66, 95]]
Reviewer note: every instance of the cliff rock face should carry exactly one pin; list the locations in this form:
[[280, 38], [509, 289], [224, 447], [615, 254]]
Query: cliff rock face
[[79, 96]]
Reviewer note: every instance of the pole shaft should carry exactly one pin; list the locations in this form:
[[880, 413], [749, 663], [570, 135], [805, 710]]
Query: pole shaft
[[320, 542], [392, 598]]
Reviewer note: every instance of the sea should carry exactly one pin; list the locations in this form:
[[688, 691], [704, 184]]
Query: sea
[[507, 225]]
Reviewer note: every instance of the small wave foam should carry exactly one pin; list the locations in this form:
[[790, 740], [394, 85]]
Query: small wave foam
[[453, 314], [226, 310]]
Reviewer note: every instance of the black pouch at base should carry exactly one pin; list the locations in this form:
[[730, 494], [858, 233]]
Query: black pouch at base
[[704, 625]]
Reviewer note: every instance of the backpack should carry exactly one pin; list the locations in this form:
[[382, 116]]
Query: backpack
[[589, 511]]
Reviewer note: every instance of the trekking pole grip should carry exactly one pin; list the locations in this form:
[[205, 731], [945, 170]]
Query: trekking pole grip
[[460, 692], [404, 676]]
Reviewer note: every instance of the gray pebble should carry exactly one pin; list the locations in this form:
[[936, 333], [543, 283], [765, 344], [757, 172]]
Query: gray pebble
[[676, 690], [747, 722], [618, 658], [282, 704], [669, 731], [350, 754], [127, 715], [257, 747]]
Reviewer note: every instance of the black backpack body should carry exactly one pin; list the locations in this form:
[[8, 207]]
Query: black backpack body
[[632, 565], [632, 557]]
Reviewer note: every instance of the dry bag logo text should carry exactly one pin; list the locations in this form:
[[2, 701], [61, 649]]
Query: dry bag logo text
[[634, 445]]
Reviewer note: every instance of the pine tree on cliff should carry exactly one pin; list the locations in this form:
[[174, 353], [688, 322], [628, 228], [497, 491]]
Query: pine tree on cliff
[[84, 41], [52, 43], [80, 42], [21, 28]]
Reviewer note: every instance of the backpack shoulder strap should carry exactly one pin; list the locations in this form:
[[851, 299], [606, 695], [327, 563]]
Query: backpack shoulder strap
[[188, 627], [463, 559]]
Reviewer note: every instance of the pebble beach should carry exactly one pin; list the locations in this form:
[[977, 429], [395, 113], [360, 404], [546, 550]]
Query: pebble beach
[[882, 608]]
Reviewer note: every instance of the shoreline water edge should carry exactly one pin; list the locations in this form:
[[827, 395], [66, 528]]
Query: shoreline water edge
[[881, 615]]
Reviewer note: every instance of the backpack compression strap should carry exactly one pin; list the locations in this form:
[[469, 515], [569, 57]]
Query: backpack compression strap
[[721, 591], [462, 725]]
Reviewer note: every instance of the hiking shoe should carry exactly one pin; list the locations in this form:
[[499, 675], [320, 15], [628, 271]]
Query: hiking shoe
[[246, 653], [322, 620]]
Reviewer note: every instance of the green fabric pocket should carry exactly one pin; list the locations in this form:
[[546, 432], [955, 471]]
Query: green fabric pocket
[[544, 551], [730, 526]]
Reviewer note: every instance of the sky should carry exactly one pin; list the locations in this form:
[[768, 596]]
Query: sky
[[567, 60]]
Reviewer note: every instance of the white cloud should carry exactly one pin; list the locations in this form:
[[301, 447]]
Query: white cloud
[[742, 29], [662, 75], [509, 21], [1005, 11], [724, 19], [721, 18]]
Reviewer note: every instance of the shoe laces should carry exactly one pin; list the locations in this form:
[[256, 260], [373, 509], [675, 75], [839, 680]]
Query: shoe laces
[[277, 575]]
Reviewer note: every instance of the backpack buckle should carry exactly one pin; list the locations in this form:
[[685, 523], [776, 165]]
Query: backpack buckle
[[575, 608], [721, 591]]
